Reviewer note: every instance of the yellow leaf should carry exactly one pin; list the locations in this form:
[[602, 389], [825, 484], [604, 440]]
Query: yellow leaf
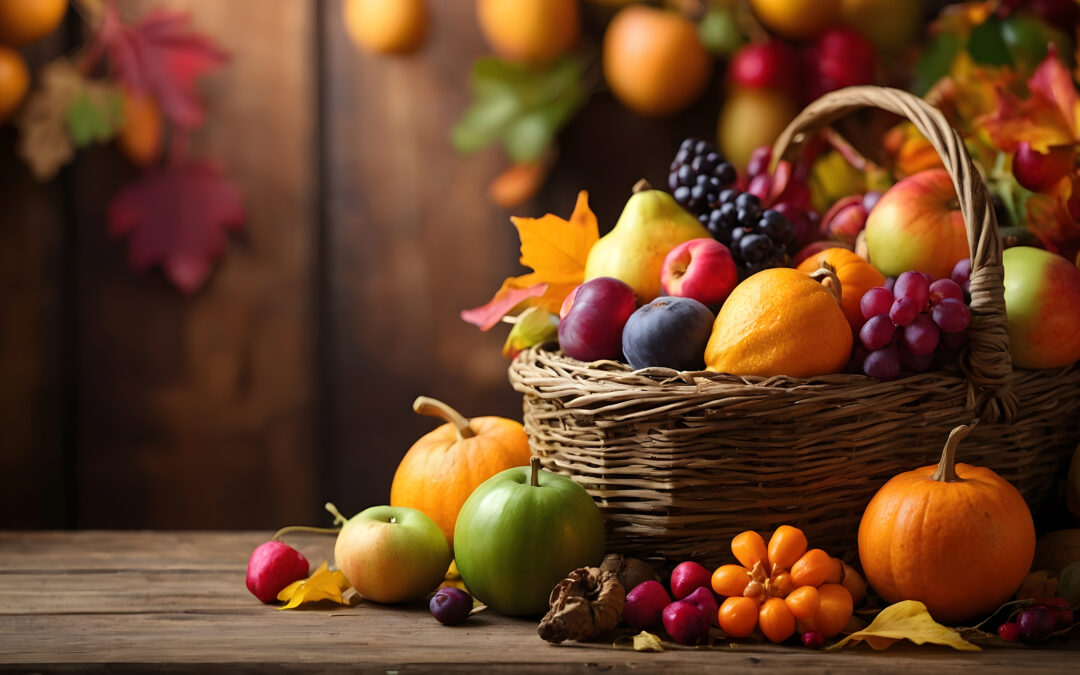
[[907, 620], [556, 250], [323, 584], [647, 642]]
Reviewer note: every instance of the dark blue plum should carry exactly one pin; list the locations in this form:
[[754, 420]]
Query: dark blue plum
[[670, 332]]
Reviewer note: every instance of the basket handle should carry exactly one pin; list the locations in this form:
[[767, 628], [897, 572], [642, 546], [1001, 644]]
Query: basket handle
[[986, 363]]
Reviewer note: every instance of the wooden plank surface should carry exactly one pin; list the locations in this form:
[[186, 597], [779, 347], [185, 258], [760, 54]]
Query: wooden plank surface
[[200, 412], [175, 601]]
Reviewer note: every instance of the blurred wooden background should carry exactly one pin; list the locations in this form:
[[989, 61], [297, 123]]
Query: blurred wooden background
[[287, 381]]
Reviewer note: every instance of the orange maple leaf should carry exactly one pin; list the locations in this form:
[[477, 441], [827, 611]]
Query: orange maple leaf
[[1049, 117], [556, 250]]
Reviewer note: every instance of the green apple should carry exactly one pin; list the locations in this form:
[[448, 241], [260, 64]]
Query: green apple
[[392, 553], [520, 533]]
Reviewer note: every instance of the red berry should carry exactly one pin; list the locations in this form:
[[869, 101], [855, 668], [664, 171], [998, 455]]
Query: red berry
[[813, 639], [1009, 631]]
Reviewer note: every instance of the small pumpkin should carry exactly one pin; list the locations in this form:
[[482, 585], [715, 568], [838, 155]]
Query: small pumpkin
[[958, 538], [856, 276], [444, 466]]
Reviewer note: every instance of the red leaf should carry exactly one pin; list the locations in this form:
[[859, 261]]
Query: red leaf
[[176, 216], [507, 297], [162, 57]]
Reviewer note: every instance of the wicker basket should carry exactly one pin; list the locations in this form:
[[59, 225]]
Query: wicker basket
[[679, 462]]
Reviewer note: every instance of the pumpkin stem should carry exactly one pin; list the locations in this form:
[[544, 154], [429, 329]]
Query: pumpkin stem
[[826, 276], [534, 477], [436, 408], [946, 469]]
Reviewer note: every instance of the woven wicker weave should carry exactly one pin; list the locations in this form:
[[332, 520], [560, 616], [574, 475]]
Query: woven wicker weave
[[681, 462]]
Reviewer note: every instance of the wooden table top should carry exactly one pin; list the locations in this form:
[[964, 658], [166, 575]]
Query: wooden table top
[[176, 601]]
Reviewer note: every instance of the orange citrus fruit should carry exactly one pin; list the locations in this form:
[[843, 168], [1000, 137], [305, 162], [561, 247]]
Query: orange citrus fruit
[[386, 26], [653, 60], [140, 136], [26, 21], [14, 81], [779, 321], [533, 31], [797, 19]]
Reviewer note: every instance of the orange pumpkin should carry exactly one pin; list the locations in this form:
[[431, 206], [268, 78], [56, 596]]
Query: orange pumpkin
[[441, 470], [856, 276], [955, 537]]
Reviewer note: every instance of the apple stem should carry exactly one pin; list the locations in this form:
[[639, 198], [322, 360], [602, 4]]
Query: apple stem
[[303, 528], [946, 468], [826, 276], [425, 405], [534, 477], [338, 518], [641, 186]]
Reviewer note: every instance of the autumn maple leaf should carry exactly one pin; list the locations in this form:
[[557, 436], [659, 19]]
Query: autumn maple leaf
[[160, 56], [556, 250], [176, 216]]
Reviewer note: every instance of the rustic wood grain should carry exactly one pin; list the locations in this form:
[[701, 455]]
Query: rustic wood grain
[[149, 616], [412, 241], [34, 335], [200, 412]]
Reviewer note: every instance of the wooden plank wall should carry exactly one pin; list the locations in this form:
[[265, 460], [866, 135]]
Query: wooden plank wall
[[288, 380]]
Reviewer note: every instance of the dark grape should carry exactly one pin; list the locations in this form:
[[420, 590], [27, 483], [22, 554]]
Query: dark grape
[[877, 332], [952, 316], [916, 363], [1036, 624], [755, 247], [875, 302], [450, 605], [903, 310], [915, 287], [883, 364], [698, 174], [921, 336]]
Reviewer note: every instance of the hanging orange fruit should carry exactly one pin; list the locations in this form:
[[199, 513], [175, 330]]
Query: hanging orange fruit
[[386, 26], [14, 81], [441, 470], [531, 31], [26, 21], [140, 137]]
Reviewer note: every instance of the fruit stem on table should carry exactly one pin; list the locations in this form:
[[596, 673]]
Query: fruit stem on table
[[426, 405], [303, 528]]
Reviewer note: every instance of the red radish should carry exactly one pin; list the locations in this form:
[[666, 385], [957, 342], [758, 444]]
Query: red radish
[[273, 566]]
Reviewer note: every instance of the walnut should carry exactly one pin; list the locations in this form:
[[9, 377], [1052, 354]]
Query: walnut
[[587, 603]]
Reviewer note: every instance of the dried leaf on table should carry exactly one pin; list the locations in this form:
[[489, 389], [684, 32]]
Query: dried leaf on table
[[176, 216], [587, 603], [45, 143], [906, 620], [323, 584], [161, 56], [647, 642], [556, 250]]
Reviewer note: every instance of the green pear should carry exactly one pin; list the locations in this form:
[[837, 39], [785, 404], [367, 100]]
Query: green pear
[[651, 224]]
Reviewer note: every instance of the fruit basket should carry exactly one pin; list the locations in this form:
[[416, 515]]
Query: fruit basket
[[679, 462]]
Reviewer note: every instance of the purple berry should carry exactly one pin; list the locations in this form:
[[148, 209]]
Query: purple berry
[[875, 302], [450, 605]]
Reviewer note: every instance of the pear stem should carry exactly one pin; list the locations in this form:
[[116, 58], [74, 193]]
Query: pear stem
[[826, 276], [946, 469], [534, 477], [641, 186], [425, 405], [303, 528], [338, 518]]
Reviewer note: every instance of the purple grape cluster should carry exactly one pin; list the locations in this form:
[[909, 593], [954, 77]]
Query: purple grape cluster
[[909, 321]]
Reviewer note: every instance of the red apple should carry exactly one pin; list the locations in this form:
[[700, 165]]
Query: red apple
[[845, 219], [839, 57], [765, 65], [1040, 171], [1042, 305], [917, 225], [701, 269], [273, 566]]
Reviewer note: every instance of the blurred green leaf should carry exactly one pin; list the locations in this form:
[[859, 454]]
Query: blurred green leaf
[[94, 116], [986, 44], [522, 107], [935, 62]]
